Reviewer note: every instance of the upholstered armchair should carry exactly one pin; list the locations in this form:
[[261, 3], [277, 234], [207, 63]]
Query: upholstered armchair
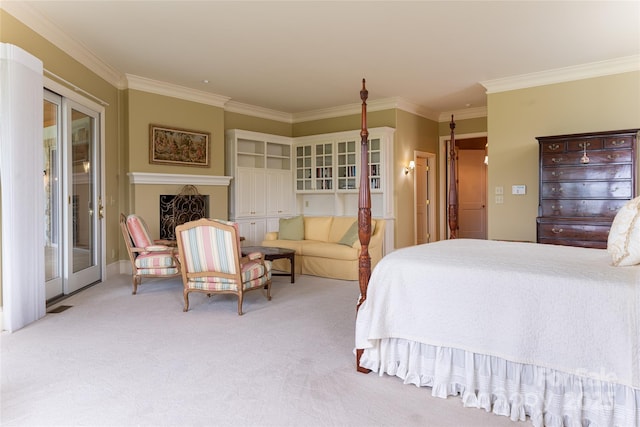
[[211, 260], [149, 258]]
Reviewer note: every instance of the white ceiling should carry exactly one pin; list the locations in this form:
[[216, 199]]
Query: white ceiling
[[301, 56]]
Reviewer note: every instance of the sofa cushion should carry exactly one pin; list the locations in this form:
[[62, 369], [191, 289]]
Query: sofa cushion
[[329, 250], [291, 228], [317, 228]]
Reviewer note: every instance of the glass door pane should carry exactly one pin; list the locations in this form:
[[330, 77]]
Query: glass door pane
[[84, 210], [53, 250]]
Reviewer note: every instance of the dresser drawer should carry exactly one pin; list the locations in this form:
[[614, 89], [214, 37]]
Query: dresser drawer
[[590, 171], [586, 190], [619, 142], [562, 230], [579, 144], [553, 147], [595, 157], [581, 208]]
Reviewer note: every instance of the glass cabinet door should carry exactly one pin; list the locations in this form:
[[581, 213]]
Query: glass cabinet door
[[375, 164], [324, 166], [303, 168], [346, 159]]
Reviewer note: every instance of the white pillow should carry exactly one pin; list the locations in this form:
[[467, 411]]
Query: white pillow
[[623, 243]]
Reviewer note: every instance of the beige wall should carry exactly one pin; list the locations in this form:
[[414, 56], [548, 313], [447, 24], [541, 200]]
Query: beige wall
[[256, 124], [413, 133], [516, 118], [145, 109]]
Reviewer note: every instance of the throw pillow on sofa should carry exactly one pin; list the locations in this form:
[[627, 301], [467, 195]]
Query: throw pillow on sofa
[[351, 235], [291, 228]]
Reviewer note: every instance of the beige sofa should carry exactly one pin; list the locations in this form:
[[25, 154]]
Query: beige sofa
[[321, 254]]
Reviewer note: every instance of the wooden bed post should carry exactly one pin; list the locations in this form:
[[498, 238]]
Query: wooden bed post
[[364, 214], [453, 184], [364, 202]]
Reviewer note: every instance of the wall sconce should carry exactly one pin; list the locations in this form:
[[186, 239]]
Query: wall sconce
[[486, 154], [410, 168]]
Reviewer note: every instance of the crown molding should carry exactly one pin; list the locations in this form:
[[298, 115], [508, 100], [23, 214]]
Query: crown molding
[[177, 179], [356, 108], [467, 113], [175, 91], [255, 111], [22, 11], [561, 75]]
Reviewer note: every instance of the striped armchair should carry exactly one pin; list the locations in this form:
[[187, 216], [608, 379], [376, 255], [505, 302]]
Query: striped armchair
[[209, 252], [149, 258]]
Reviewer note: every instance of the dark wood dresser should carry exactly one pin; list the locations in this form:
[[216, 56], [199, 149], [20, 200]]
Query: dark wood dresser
[[584, 180]]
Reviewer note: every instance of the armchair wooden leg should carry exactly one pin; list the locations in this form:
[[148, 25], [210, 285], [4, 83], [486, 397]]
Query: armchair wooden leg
[[186, 300], [136, 281], [269, 290], [240, 297]]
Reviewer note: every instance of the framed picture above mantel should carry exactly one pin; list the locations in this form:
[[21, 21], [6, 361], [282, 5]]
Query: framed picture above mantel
[[179, 147]]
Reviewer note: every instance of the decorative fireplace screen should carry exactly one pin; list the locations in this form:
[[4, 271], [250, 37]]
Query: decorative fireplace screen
[[188, 205]]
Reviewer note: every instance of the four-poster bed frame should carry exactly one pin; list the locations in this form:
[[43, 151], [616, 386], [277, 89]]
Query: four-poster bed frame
[[364, 204]]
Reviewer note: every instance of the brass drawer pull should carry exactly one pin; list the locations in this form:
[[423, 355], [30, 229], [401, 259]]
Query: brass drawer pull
[[618, 143], [584, 144], [557, 230], [554, 173], [558, 190], [613, 156], [553, 147], [558, 160]]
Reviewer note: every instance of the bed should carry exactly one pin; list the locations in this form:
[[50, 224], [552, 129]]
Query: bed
[[530, 331]]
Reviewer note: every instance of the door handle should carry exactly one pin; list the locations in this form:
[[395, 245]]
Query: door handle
[[100, 208]]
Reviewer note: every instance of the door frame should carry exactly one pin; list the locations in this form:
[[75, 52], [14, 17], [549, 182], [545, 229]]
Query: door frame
[[444, 182], [74, 96], [431, 193]]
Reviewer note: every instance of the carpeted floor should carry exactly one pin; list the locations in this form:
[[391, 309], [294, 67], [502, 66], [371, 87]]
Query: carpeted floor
[[114, 359]]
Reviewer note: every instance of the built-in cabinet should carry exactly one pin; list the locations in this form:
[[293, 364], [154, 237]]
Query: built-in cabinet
[[261, 190], [275, 177], [584, 180]]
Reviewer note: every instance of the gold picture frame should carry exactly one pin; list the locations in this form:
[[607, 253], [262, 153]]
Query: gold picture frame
[[178, 147]]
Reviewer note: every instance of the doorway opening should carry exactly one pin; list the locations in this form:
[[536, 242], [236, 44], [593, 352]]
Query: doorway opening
[[472, 181], [424, 191], [72, 134]]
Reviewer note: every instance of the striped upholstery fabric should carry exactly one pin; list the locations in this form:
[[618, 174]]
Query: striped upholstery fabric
[[156, 260], [209, 249], [138, 231], [253, 274]]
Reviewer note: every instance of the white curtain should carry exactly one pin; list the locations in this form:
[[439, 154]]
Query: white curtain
[[21, 185]]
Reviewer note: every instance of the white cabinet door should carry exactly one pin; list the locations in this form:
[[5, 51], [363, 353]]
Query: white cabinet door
[[279, 186], [253, 231], [250, 192]]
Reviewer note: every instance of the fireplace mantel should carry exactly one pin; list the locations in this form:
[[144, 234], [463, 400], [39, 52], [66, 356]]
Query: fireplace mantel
[[177, 179]]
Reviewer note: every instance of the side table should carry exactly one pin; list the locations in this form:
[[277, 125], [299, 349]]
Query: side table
[[272, 253]]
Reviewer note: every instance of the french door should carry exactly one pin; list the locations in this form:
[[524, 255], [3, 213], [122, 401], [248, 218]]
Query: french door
[[73, 208]]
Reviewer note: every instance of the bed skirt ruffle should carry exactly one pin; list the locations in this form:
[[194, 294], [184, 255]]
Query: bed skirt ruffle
[[548, 397]]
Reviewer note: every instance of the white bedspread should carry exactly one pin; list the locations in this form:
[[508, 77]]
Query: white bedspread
[[557, 307]]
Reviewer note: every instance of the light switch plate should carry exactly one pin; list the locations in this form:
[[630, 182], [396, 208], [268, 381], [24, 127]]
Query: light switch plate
[[518, 189]]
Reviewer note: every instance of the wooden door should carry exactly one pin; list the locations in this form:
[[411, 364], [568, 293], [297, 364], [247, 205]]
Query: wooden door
[[472, 194]]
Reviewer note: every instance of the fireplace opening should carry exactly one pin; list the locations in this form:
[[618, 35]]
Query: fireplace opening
[[176, 209]]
